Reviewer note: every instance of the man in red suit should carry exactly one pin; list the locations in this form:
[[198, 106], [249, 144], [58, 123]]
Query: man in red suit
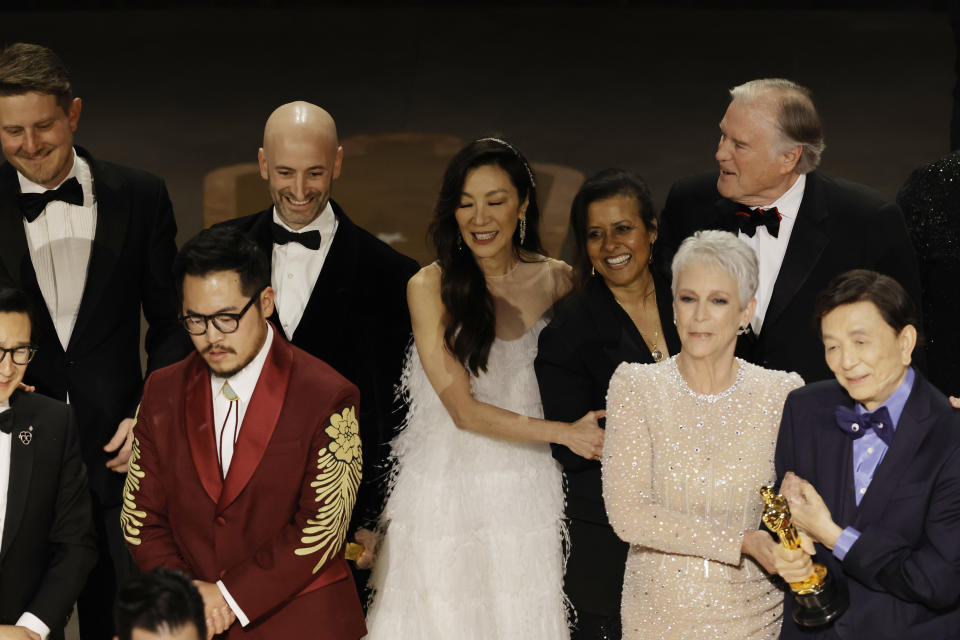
[[247, 460]]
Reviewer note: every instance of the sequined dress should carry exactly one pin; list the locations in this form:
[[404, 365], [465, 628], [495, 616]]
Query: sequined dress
[[681, 473], [473, 548]]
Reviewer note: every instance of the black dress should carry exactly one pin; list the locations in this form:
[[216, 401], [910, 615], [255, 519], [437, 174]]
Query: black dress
[[578, 352], [930, 200]]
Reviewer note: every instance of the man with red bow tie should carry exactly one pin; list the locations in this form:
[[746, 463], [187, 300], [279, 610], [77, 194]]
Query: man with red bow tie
[[805, 226]]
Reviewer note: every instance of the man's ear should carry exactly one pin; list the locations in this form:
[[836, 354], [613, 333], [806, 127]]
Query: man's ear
[[262, 161]]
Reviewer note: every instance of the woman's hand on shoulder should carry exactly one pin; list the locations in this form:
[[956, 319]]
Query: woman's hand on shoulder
[[585, 437]]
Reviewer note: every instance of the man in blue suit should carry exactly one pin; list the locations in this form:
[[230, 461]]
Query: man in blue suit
[[870, 464]]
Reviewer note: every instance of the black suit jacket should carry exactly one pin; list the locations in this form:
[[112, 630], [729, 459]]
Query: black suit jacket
[[48, 544], [840, 226], [130, 267], [578, 351], [904, 571], [357, 322]]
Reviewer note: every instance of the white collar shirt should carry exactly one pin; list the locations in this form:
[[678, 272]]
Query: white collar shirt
[[60, 241], [243, 384], [27, 619], [770, 250], [296, 268]]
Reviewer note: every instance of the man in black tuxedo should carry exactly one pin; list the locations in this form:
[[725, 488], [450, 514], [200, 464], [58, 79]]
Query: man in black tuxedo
[[871, 468], [47, 544], [805, 226], [90, 243], [340, 292]]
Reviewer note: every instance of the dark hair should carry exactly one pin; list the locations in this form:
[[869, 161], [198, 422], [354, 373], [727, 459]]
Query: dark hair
[[223, 249], [463, 288], [32, 67], [862, 285], [162, 600], [609, 183], [15, 301]]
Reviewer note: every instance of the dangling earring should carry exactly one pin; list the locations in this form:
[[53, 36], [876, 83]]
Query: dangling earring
[[523, 229], [460, 241], [650, 259], [744, 329], [593, 272]]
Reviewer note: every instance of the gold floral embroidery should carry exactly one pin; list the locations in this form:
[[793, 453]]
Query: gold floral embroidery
[[339, 465], [131, 519]]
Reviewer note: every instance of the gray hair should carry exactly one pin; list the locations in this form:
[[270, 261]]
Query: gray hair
[[797, 120], [725, 251]]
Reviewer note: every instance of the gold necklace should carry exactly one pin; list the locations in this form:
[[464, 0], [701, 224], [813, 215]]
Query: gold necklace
[[652, 345]]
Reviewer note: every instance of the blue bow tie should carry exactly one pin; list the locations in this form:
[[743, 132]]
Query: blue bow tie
[[856, 424]]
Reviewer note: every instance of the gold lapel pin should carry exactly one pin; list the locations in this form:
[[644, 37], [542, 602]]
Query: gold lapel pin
[[26, 436]]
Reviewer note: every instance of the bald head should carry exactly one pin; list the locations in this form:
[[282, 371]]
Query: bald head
[[300, 158], [298, 119]]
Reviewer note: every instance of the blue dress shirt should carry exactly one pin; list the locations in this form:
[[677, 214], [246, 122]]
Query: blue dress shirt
[[868, 453]]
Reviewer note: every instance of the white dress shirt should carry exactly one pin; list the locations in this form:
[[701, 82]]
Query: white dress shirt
[[60, 241], [27, 619], [770, 250], [296, 268], [243, 383]]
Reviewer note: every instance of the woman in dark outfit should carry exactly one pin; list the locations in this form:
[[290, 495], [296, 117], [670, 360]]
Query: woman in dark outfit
[[620, 311]]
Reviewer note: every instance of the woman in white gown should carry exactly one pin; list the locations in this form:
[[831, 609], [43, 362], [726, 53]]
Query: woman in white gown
[[473, 543]]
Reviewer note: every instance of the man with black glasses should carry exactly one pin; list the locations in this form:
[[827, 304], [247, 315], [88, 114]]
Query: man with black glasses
[[47, 544], [246, 460]]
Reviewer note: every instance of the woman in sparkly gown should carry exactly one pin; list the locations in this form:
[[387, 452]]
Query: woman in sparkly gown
[[690, 440], [473, 544], [620, 312]]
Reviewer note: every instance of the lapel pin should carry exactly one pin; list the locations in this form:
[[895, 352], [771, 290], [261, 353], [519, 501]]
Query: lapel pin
[[26, 437]]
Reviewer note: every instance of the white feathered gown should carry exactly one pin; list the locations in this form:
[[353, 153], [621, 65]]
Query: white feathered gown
[[474, 544]]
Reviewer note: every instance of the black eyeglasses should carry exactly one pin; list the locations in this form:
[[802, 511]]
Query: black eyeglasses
[[19, 355], [196, 324]]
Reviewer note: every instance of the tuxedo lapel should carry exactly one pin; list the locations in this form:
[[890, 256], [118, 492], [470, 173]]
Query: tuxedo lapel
[[259, 421], [198, 420], [912, 429], [260, 233], [21, 468], [807, 242], [835, 452], [322, 318], [113, 217], [13, 241]]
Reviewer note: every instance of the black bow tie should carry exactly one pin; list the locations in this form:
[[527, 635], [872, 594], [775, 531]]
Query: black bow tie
[[309, 239], [6, 421], [748, 221], [33, 204], [855, 425]]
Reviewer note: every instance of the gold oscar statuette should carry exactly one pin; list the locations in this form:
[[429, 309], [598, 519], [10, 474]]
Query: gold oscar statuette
[[352, 551], [819, 599]]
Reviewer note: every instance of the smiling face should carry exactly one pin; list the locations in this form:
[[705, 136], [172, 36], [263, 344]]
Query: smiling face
[[37, 136], [753, 170], [300, 168], [14, 332], [489, 211], [867, 356], [618, 242], [707, 309], [219, 292]]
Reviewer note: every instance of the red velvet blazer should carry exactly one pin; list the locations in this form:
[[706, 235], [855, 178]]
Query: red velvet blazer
[[273, 530]]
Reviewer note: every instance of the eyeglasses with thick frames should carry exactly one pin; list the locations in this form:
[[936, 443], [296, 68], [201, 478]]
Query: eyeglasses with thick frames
[[196, 323], [19, 355]]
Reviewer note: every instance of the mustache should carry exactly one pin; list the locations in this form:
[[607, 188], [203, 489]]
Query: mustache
[[217, 349]]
